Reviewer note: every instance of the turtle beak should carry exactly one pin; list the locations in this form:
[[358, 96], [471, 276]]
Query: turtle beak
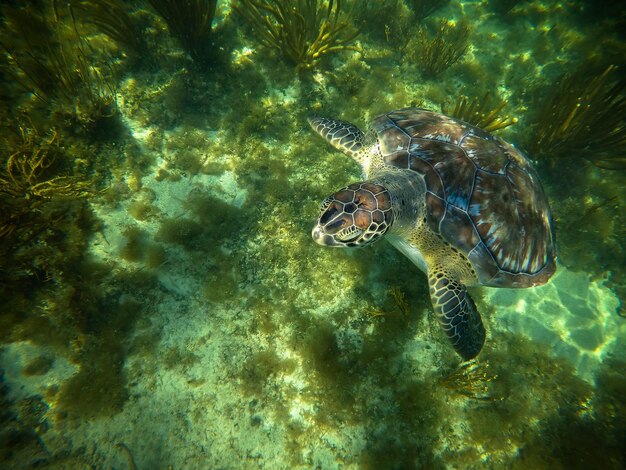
[[322, 238], [318, 235]]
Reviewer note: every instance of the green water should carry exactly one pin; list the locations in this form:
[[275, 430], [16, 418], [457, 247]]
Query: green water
[[162, 303]]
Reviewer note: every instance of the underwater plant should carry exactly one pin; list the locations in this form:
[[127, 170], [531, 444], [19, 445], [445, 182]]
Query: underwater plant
[[28, 180], [27, 173], [398, 297], [190, 22], [471, 379], [66, 76], [112, 18], [584, 114], [303, 31], [424, 8], [55, 68], [437, 53], [503, 7], [478, 113]]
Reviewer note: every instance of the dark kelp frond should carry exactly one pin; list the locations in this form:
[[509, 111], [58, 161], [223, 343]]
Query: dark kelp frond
[[113, 19], [503, 7], [303, 31], [190, 22], [584, 114], [56, 68], [424, 8], [480, 114], [27, 40]]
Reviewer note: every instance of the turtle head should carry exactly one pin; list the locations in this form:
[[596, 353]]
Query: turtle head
[[356, 215]]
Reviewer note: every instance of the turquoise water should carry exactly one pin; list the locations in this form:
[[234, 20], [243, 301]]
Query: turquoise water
[[162, 302]]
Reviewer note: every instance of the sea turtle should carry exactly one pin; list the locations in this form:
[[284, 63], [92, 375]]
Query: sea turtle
[[463, 205]]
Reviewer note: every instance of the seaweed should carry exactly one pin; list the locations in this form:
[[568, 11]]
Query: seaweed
[[303, 31], [471, 379], [388, 22], [398, 297], [29, 180], [399, 302], [25, 174], [190, 22], [26, 38], [56, 69], [584, 115], [128, 454], [436, 53], [424, 8], [480, 114], [112, 18], [503, 7], [22, 422]]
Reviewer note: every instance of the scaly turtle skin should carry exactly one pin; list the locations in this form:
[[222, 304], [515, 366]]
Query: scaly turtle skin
[[465, 206]]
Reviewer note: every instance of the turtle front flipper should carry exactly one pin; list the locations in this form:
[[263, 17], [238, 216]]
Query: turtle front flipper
[[341, 134], [457, 314]]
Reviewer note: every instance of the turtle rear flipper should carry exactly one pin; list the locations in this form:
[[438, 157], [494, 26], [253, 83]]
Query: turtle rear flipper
[[457, 314]]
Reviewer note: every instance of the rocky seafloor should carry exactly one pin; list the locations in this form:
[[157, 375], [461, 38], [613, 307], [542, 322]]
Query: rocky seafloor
[[180, 316]]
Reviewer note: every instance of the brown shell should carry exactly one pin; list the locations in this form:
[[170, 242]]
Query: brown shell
[[483, 195]]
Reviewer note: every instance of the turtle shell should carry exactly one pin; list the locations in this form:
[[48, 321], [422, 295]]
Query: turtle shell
[[483, 195]]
